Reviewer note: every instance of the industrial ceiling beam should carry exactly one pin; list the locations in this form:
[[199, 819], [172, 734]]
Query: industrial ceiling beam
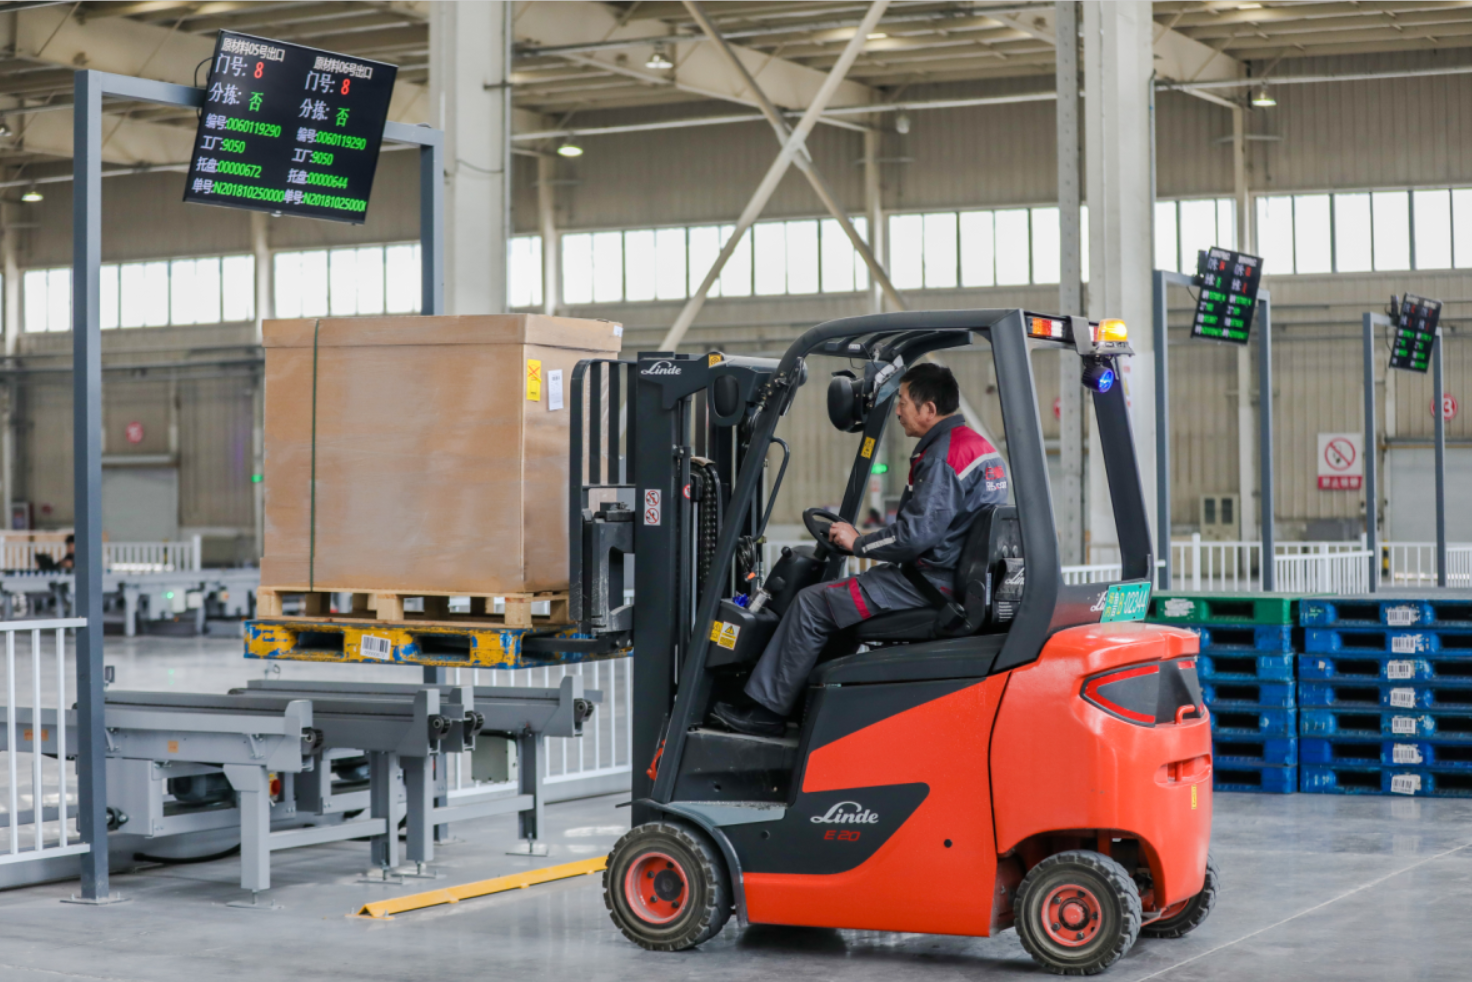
[[831, 84]]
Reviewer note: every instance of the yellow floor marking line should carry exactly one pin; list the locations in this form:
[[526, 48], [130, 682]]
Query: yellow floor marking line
[[383, 910]]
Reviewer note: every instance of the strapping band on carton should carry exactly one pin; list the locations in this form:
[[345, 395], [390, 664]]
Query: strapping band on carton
[[312, 527]]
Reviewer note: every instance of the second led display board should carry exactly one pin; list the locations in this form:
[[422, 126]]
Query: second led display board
[[1415, 333], [1229, 282]]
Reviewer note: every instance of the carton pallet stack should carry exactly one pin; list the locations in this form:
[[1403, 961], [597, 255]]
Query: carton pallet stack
[[1385, 688], [1246, 669]]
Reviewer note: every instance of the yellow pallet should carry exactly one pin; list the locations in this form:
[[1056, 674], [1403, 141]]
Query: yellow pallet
[[444, 644]]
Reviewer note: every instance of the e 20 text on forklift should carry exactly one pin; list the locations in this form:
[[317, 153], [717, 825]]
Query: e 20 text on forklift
[[1027, 755]]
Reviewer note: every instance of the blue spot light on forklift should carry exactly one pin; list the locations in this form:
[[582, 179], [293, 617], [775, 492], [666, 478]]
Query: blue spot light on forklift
[[1098, 376]]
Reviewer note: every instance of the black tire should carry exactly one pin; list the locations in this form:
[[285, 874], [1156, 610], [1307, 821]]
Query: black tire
[[689, 898], [1081, 889], [1190, 917]]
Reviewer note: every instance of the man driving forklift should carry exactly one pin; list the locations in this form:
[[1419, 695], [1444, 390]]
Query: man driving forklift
[[954, 473]]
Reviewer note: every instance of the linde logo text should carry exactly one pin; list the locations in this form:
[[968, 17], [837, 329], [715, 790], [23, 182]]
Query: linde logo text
[[846, 813], [662, 368]]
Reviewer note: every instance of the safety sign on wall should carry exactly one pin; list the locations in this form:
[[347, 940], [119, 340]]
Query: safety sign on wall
[[1341, 462]]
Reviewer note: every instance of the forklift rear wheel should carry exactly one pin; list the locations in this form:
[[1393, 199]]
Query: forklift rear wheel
[[1179, 920], [1078, 912], [666, 887]]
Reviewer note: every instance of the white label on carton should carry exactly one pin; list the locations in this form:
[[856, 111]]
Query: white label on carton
[[1406, 753], [618, 330], [1403, 725], [651, 506], [1403, 698], [1405, 783], [1405, 644], [1177, 607], [375, 647], [1404, 616], [1400, 668], [554, 390]]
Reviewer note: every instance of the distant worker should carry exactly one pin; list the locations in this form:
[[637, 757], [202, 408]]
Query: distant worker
[[69, 561], [873, 520], [954, 473]]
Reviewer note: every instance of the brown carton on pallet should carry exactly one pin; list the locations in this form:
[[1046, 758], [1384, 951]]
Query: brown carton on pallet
[[421, 455]]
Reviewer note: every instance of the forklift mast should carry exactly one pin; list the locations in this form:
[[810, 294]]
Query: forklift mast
[[685, 496]]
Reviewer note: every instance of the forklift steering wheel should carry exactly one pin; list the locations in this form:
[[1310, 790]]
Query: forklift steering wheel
[[818, 522]]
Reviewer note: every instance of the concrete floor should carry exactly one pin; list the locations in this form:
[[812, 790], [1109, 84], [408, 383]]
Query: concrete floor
[[1315, 887]]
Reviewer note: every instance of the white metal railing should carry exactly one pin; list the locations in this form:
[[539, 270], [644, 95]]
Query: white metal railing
[[118, 557], [1093, 573], [38, 825], [604, 749], [1339, 572], [1414, 564]]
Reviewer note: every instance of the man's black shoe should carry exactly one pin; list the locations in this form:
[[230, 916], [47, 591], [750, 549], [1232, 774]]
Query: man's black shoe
[[753, 720]]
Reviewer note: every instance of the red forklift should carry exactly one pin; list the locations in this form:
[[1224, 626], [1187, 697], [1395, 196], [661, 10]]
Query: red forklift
[[1028, 755]]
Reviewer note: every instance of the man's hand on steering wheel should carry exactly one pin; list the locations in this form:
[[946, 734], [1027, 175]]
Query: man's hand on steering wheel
[[842, 535]]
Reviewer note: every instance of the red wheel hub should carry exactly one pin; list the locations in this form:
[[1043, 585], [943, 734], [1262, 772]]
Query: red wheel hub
[[656, 887], [1070, 915]]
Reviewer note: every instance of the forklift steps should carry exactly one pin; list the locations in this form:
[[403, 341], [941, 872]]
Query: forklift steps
[[1373, 611], [1368, 752], [1231, 608], [1374, 640], [1433, 667], [1419, 781], [1455, 696]]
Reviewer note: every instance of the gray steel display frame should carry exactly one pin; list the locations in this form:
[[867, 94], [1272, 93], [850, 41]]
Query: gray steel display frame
[[90, 87], [1162, 280], [1369, 322]]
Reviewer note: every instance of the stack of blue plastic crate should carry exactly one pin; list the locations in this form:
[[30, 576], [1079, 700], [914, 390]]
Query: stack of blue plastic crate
[[1246, 669], [1386, 694]]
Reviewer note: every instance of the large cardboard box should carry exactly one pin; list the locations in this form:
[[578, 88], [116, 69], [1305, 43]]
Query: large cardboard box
[[421, 455]]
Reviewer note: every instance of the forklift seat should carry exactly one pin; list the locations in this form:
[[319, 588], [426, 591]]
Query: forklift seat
[[994, 537]]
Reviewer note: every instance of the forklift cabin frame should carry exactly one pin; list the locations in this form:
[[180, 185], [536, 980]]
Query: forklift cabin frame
[[669, 626]]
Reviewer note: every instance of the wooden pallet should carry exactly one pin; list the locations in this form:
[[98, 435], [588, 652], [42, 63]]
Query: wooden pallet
[[384, 606]]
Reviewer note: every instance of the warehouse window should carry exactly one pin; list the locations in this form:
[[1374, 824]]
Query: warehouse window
[[785, 258], [524, 271], [206, 290], [353, 281], [1365, 231]]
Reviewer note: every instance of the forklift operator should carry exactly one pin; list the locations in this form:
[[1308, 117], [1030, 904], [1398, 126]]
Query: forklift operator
[[954, 473]]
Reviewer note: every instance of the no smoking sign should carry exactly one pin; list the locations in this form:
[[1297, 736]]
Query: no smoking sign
[[1340, 462]]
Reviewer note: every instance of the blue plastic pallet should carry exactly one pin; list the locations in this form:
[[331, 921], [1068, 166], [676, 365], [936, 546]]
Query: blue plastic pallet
[[1386, 753], [1447, 669], [1261, 778], [1387, 695], [1248, 666], [1368, 722], [1243, 637], [1375, 640], [1359, 779], [1253, 722], [1396, 612], [1247, 694], [1226, 751]]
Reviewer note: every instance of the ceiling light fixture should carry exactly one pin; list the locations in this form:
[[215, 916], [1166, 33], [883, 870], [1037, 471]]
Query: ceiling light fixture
[[32, 195], [877, 35], [1262, 97], [902, 123], [5, 129], [659, 61], [569, 149]]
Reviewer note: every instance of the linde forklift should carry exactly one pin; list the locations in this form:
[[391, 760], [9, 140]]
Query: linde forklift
[[1028, 754]]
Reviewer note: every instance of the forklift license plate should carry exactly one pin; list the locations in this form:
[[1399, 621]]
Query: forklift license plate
[[1126, 602]]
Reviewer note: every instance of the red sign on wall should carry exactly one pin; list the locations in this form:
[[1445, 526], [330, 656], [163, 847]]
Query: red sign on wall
[[134, 432]]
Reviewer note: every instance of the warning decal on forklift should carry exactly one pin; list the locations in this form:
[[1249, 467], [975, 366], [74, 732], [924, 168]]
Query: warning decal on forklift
[[651, 506], [725, 634], [868, 450], [1126, 602]]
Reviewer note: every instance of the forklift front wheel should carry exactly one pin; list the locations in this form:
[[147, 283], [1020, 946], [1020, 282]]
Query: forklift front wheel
[[666, 887], [1078, 912]]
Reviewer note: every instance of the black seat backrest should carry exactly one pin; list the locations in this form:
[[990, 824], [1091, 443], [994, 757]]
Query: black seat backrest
[[995, 537]]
